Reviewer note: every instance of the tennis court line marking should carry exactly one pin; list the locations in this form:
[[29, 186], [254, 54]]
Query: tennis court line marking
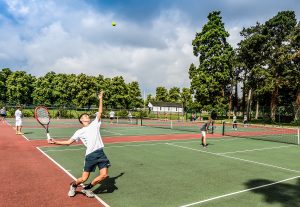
[[111, 132], [134, 145], [260, 149], [68, 173], [22, 134], [44, 138], [235, 158], [238, 192]]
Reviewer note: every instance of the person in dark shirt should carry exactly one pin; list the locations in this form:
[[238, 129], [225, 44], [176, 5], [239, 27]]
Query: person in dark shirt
[[204, 130]]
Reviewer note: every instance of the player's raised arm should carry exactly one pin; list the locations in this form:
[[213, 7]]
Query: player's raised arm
[[100, 96]]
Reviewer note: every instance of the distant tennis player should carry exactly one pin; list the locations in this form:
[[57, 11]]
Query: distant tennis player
[[204, 130], [18, 119], [2, 114], [234, 124], [111, 116], [89, 134]]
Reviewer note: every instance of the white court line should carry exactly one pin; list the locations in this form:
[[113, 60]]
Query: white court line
[[68, 173], [235, 158], [25, 137], [238, 192], [22, 134], [135, 145], [260, 149], [111, 132]]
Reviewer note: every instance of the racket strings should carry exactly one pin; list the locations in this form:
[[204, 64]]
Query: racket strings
[[43, 116]]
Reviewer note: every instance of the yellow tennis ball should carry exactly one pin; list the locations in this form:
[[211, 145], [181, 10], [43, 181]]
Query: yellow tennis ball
[[113, 24]]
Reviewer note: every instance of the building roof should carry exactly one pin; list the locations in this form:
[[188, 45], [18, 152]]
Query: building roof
[[165, 104]]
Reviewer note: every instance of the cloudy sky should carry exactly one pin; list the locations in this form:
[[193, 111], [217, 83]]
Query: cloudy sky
[[151, 43]]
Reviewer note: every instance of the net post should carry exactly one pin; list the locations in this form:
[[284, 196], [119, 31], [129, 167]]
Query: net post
[[171, 124], [223, 128], [141, 121]]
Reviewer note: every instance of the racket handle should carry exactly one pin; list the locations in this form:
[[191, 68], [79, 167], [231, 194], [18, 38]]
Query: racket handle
[[48, 136]]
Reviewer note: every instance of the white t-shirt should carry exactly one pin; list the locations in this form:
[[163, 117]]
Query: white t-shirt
[[112, 114], [234, 118], [18, 114], [90, 136]]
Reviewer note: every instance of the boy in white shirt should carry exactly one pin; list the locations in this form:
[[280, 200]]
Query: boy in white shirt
[[18, 119], [89, 134], [111, 116]]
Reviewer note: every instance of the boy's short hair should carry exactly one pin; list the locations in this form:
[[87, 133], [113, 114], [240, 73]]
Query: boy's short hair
[[81, 115]]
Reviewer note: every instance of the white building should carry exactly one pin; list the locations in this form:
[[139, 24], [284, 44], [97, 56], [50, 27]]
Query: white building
[[165, 107]]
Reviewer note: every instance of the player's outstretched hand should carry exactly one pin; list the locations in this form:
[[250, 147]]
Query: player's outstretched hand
[[51, 141]]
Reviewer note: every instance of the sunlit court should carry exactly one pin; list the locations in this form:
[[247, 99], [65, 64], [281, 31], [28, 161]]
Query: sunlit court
[[160, 103]]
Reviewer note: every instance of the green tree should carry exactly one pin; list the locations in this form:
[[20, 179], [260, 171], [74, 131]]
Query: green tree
[[19, 87], [4, 73], [43, 87], [250, 59], [135, 97], [276, 30], [174, 94], [210, 80], [186, 98], [119, 93], [293, 72], [161, 94], [86, 88]]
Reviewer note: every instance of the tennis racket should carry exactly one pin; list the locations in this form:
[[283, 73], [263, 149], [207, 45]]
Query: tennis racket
[[42, 115]]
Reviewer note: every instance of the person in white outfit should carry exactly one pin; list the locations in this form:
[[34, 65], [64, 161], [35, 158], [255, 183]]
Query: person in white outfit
[[18, 118]]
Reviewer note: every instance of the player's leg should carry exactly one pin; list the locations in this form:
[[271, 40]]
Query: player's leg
[[103, 175], [74, 184], [20, 129], [204, 138], [103, 166]]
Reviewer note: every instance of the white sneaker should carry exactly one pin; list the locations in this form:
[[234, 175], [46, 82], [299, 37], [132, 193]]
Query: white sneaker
[[72, 191], [88, 193]]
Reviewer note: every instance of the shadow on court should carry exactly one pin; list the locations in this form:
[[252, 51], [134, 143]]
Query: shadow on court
[[108, 185], [287, 195]]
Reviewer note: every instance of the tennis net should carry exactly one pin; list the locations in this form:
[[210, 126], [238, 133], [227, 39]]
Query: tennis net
[[180, 125], [121, 120], [262, 132]]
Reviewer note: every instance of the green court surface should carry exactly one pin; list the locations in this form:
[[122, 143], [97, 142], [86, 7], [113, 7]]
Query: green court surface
[[39, 133], [182, 173]]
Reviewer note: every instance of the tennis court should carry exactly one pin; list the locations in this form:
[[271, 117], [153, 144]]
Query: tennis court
[[181, 173], [232, 171]]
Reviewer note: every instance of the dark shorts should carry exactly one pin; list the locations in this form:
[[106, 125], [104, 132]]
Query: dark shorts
[[3, 115], [111, 118], [94, 159]]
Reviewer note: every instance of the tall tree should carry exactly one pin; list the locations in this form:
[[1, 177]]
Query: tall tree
[[174, 94], [186, 98], [135, 98], [4, 73], [250, 57], [293, 72], [162, 94], [209, 81], [19, 87], [119, 93], [43, 88], [86, 88], [277, 31]]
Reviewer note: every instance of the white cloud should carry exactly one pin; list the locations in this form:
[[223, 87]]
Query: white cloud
[[158, 55], [73, 37]]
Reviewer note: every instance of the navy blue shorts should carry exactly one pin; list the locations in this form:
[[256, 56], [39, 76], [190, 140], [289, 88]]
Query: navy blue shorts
[[94, 159]]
